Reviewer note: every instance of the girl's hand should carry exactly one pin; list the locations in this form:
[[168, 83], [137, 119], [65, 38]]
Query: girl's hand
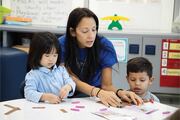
[[109, 98], [130, 96], [50, 98], [65, 91]]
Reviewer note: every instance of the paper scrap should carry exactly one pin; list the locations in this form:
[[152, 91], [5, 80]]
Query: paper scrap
[[79, 106], [75, 109], [103, 109], [38, 107], [76, 102], [166, 112], [152, 111], [63, 110], [13, 109]]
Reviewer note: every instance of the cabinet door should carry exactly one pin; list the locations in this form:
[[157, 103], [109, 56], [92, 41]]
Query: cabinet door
[[152, 51], [11, 38], [119, 72]]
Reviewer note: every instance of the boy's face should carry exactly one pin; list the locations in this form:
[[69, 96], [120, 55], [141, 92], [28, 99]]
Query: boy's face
[[139, 82]]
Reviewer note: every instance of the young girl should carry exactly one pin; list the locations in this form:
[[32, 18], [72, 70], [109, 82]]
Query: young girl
[[46, 81], [90, 58]]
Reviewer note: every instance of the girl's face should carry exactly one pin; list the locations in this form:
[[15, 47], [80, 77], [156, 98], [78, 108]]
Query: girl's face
[[49, 60], [139, 83], [85, 32]]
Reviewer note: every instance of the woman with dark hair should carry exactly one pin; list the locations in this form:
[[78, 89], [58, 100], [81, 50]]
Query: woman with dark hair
[[89, 59], [46, 81]]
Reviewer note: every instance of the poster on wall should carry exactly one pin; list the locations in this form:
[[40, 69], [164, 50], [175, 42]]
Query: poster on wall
[[170, 63], [120, 45]]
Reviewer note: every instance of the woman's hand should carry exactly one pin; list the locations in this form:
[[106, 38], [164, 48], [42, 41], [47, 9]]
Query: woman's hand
[[109, 98], [130, 96]]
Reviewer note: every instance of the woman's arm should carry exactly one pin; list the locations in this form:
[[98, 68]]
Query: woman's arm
[[107, 95], [108, 98], [84, 87], [123, 94], [107, 80], [81, 86]]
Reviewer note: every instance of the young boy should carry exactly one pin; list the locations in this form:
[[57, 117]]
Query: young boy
[[139, 77]]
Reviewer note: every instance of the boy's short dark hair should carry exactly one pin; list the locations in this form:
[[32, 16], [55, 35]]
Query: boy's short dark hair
[[139, 64]]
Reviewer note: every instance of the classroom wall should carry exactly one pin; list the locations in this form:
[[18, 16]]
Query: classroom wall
[[136, 36], [144, 15], [176, 9]]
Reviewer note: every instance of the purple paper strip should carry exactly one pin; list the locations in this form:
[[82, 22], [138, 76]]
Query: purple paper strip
[[78, 106], [74, 109]]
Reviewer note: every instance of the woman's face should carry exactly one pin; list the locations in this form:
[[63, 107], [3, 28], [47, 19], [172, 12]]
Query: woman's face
[[85, 32]]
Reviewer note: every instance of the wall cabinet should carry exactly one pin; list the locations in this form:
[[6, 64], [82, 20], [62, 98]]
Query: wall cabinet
[[148, 46], [13, 35]]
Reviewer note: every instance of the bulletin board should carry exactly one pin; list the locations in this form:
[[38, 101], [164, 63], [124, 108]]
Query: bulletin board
[[42, 12], [170, 63], [144, 15]]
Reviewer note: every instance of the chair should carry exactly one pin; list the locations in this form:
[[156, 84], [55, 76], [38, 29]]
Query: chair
[[13, 70], [22, 85]]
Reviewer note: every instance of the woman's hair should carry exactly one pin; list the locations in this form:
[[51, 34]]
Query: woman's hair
[[140, 64], [42, 42], [72, 54]]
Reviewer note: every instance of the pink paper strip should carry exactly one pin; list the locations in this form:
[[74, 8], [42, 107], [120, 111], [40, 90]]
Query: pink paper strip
[[103, 109], [79, 106], [152, 111], [75, 102], [166, 112], [74, 109]]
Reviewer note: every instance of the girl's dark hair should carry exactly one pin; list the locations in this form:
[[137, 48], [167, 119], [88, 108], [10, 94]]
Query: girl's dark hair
[[42, 42], [72, 54], [139, 64]]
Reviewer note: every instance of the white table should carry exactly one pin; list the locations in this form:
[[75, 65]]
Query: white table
[[87, 106]]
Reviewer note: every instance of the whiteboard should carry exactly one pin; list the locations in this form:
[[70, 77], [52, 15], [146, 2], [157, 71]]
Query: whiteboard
[[42, 12], [144, 15]]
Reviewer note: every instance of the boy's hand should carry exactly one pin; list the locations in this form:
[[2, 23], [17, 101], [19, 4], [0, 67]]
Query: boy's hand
[[65, 91], [130, 96], [51, 98]]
